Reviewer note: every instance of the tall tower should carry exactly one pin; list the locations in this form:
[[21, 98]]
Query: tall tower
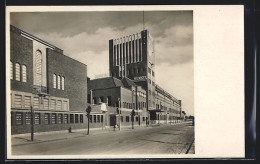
[[133, 57]]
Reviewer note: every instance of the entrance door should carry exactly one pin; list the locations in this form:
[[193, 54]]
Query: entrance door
[[112, 120]]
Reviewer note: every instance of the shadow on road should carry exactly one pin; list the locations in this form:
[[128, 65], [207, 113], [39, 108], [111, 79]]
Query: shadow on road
[[171, 133], [161, 142]]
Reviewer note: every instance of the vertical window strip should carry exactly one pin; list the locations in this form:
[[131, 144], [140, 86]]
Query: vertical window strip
[[62, 83], [38, 62], [17, 72], [54, 81], [24, 74], [11, 70], [58, 82]]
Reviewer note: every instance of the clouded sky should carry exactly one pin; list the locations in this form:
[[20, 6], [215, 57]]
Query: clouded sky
[[84, 36]]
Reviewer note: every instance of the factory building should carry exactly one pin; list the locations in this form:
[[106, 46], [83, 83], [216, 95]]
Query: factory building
[[133, 57], [42, 77]]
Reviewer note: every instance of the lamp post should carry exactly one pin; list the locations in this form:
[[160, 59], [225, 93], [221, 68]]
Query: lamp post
[[119, 106], [88, 110], [32, 123]]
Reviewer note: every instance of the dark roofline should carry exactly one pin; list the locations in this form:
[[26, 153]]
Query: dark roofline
[[21, 32]]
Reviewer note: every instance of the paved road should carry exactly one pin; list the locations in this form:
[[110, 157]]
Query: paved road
[[166, 139]]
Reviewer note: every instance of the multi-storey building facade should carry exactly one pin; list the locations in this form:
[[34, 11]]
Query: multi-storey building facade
[[42, 78], [133, 57], [119, 94]]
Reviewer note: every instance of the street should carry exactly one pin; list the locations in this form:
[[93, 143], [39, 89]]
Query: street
[[164, 139]]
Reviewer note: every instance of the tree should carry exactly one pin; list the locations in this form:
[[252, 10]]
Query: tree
[[88, 110], [132, 118]]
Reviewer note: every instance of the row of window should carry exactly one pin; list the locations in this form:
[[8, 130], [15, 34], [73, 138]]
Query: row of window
[[127, 118], [48, 118], [132, 71], [58, 82], [26, 101], [141, 105], [96, 118], [18, 72]]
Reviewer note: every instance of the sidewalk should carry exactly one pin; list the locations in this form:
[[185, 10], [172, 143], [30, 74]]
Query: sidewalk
[[25, 139]]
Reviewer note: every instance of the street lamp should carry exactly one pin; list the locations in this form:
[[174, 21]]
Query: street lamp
[[119, 106], [88, 110]]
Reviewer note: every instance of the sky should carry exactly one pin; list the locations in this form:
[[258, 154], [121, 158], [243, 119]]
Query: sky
[[84, 36]]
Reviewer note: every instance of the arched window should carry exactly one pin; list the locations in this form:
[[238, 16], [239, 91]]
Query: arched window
[[54, 81], [17, 72], [62, 82], [24, 74], [58, 82], [38, 68], [11, 70]]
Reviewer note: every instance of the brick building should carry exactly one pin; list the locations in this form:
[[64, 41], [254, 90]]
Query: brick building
[[41, 77], [119, 94], [133, 57]]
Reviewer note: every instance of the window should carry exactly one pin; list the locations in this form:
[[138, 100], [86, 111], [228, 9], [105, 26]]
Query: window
[[53, 118], [76, 118], [18, 101], [11, 70], [62, 83], [95, 100], [102, 99], [54, 81], [53, 104], [137, 70], [122, 119], [90, 118], [37, 118], [101, 118], [58, 104], [136, 119], [24, 75], [27, 118], [27, 101], [46, 103], [98, 118], [65, 105], [59, 118], [143, 118], [17, 72], [46, 118], [71, 118], [19, 118], [88, 98], [65, 118], [109, 100], [127, 118], [36, 103], [81, 118], [153, 73], [58, 82], [95, 118], [38, 68]]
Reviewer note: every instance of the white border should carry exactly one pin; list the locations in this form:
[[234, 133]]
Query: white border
[[218, 79]]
